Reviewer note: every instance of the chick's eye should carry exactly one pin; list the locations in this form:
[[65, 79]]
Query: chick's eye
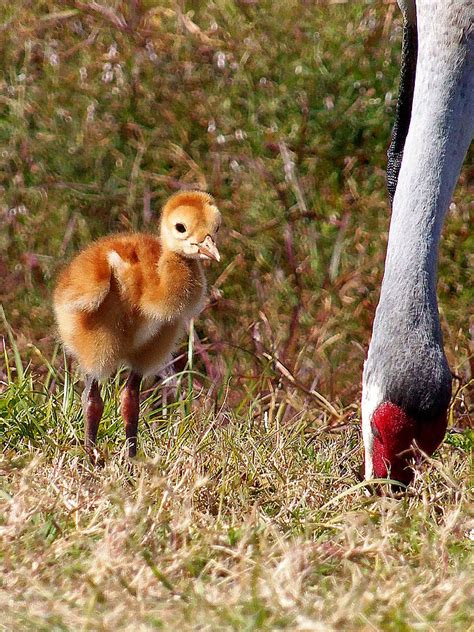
[[181, 228]]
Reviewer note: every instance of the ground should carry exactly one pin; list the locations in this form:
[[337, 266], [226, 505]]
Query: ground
[[245, 509]]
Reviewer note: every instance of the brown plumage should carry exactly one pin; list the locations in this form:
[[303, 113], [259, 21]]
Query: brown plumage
[[126, 298]]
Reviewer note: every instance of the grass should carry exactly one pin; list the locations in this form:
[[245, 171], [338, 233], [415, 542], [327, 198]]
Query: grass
[[230, 520], [244, 510]]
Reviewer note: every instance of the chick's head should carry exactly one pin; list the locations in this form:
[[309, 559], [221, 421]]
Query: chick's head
[[189, 224]]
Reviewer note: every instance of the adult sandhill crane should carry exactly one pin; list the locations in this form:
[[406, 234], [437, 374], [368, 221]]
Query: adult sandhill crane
[[407, 381]]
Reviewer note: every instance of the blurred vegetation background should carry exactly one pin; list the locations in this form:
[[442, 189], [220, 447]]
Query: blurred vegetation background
[[282, 110]]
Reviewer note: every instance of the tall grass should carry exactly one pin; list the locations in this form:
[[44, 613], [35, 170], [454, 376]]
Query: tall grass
[[230, 519]]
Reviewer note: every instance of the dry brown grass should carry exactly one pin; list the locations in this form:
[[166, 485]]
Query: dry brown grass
[[228, 522]]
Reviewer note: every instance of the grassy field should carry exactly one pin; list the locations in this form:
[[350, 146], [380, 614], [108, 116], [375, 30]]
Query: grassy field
[[244, 510]]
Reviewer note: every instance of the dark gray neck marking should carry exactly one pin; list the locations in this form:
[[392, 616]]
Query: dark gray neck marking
[[404, 105]]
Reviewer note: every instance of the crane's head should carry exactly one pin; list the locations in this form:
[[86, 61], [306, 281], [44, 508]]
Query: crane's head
[[189, 223], [393, 433], [396, 435]]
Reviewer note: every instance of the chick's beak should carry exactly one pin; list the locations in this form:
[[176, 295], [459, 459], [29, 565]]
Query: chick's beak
[[209, 249]]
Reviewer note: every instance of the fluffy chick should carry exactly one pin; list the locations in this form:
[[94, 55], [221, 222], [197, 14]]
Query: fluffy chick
[[126, 298]]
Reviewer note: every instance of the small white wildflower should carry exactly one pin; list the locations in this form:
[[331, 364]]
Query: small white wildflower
[[53, 59], [150, 49], [263, 81], [221, 60], [221, 139], [64, 114], [329, 102], [21, 77], [214, 26], [211, 126], [21, 209], [83, 73], [298, 69], [234, 165], [107, 73], [90, 112], [119, 74], [240, 134], [112, 52]]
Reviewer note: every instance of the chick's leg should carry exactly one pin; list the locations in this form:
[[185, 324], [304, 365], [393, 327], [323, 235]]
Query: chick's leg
[[93, 407], [130, 400]]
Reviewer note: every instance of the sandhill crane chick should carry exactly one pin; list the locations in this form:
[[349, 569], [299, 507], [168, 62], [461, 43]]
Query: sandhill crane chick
[[126, 298]]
